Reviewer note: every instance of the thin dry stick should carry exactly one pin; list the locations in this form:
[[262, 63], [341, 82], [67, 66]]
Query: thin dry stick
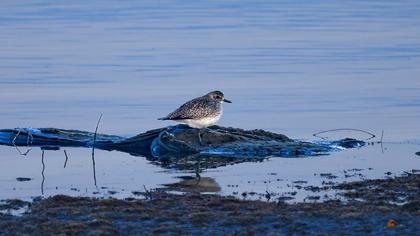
[[42, 172], [332, 130], [67, 157], [28, 144], [93, 149]]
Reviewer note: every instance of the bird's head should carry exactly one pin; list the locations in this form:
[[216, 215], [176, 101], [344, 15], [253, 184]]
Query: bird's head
[[217, 96]]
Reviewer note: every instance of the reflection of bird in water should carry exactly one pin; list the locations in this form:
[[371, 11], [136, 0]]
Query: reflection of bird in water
[[191, 184], [200, 112]]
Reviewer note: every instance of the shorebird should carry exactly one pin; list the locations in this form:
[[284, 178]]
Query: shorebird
[[200, 112]]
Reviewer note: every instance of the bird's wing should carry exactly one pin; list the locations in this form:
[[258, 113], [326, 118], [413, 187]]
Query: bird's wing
[[193, 109]]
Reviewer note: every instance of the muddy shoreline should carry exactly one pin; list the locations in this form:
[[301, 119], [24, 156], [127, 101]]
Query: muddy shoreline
[[385, 207]]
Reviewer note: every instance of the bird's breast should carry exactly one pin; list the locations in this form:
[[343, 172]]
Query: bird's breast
[[202, 122]]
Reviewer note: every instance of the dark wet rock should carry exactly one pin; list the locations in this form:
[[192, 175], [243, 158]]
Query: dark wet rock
[[179, 147], [137, 193], [328, 183], [180, 141], [23, 179], [112, 192], [349, 143], [50, 148], [398, 190], [312, 188], [312, 198], [285, 198], [197, 214], [352, 173], [413, 206], [13, 204], [328, 175], [297, 186], [52, 137]]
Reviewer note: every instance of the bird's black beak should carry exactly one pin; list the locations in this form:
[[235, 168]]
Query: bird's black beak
[[225, 100]]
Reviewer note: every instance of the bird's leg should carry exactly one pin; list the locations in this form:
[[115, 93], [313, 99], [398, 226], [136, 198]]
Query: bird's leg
[[199, 137]]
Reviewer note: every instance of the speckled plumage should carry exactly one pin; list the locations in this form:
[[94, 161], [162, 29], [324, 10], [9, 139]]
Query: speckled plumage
[[199, 112]]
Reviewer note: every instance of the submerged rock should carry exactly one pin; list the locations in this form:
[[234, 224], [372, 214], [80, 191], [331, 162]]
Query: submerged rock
[[180, 144]]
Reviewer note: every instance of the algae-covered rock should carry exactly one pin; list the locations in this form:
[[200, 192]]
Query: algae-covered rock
[[178, 141], [180, 144]]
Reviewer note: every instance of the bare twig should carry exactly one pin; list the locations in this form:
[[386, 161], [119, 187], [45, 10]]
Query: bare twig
[[332, 130], [93, 149], [148, 193], [28, 143], [67, 157], [267, 195]]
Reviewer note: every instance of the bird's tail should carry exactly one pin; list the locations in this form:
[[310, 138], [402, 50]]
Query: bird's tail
[[163, 118]]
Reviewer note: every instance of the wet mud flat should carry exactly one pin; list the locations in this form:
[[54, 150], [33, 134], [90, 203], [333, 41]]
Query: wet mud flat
[[385, 207]]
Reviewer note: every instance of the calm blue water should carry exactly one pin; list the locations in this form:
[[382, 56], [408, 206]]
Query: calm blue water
[[293, 67]]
